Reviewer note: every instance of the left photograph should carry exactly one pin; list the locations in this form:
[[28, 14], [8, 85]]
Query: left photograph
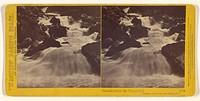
[[58, 46]]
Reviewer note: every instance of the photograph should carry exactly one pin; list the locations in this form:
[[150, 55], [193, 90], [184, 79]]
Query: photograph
[[143, 46], [58, 46]]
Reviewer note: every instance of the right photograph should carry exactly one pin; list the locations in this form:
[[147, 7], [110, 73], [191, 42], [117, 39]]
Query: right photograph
[[143, 46]]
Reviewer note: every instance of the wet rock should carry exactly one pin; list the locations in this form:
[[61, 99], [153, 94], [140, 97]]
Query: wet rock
[[139, 32], [48, 42], [94, 28], [57, 31], [26, 43], [180, 29], [107, 43], [176, 29], [116, 47], [92, 52], [174, 54]]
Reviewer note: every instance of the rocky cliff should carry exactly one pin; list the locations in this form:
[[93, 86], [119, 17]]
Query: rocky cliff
[[92, 52], [27, 24], [175, 56]]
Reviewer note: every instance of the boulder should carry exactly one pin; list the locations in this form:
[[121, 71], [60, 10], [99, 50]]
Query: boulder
[[130, 42], [92, 52], [25, 44], [139, 32], [107, 43], [177, 29], [48, 42], [57, 31], [174, 54], [180, 28]]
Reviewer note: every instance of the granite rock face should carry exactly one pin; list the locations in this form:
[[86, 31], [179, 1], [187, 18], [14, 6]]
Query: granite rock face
[[92, 52], [180, 28], [116, 47], [27, 25], [174, 54], [48, 42]]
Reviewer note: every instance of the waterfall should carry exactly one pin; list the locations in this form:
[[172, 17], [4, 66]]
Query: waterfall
[[141, 67], [65, 66], [68, 59]]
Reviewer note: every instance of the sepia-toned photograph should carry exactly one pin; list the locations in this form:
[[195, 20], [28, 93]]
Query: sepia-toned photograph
[[100, 50], [65, 47], [58, 46], [143, 46]]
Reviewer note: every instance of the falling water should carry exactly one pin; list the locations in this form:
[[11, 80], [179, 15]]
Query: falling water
[[145, 21]]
